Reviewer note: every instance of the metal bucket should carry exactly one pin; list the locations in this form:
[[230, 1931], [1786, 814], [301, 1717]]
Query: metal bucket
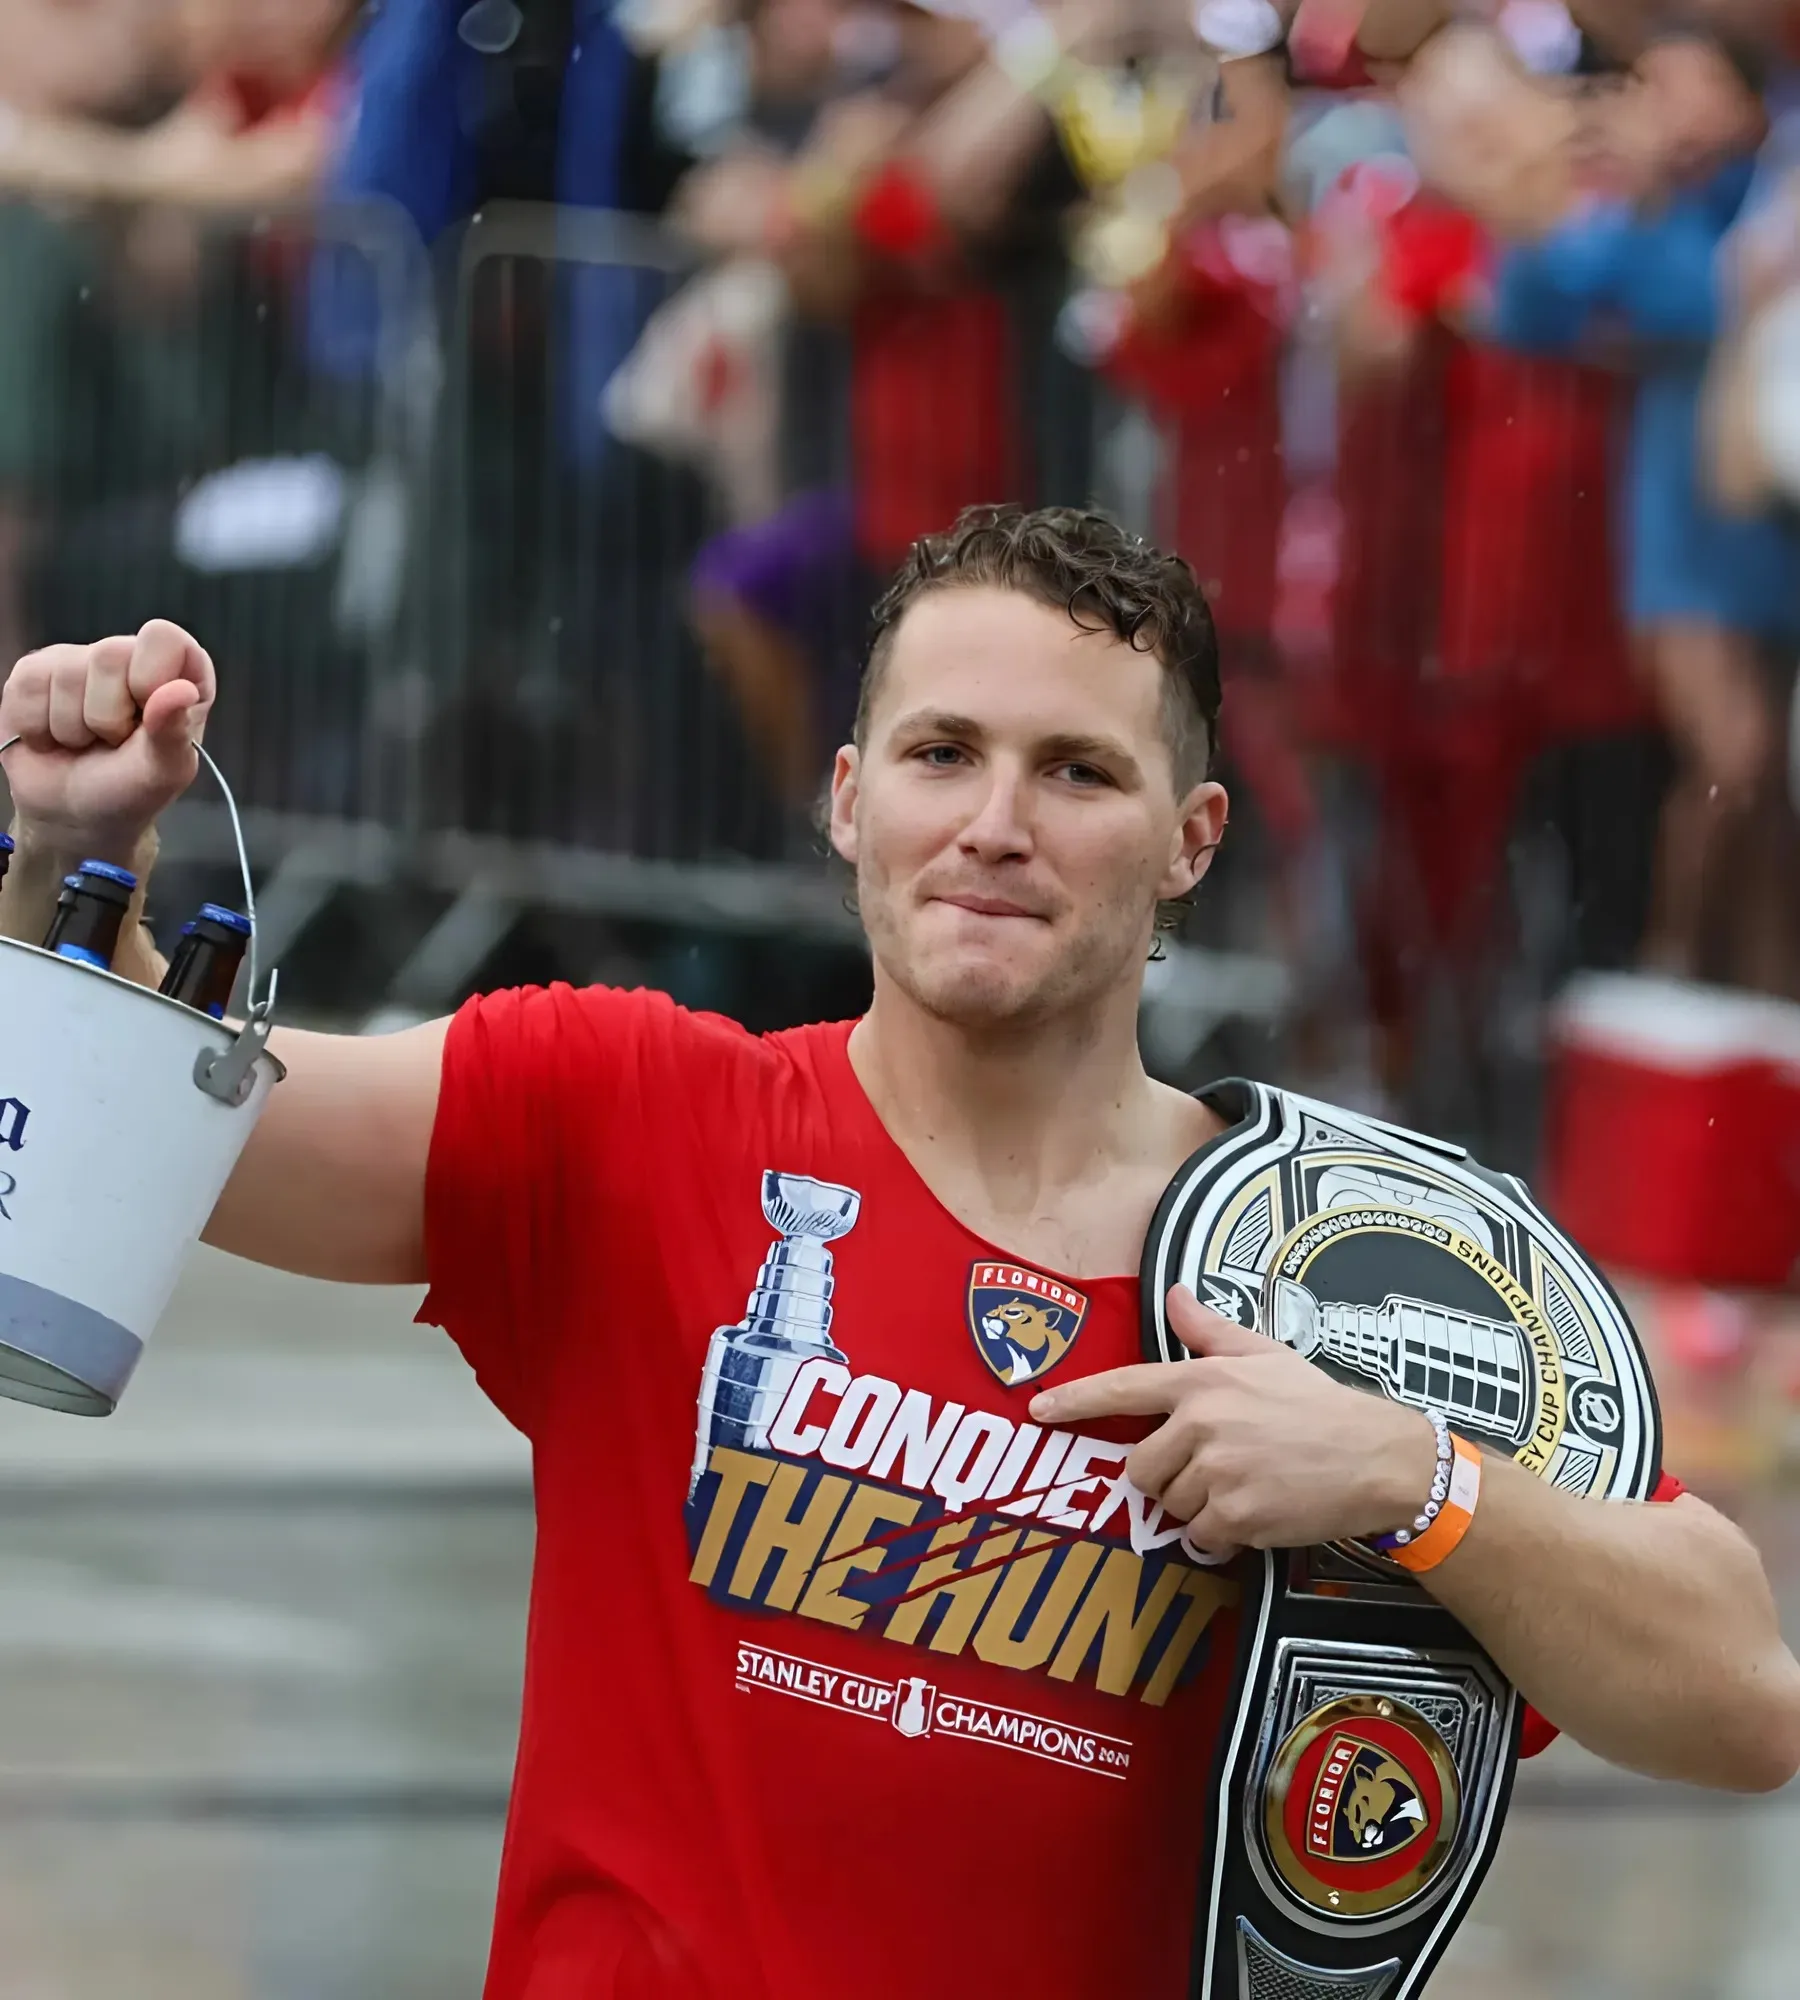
[[122, 1114]]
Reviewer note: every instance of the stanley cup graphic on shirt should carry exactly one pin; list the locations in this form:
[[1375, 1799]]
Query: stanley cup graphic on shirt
[[787, 1320], [1474, 1370]]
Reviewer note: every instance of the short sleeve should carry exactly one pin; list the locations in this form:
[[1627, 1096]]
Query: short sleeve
[[1538, 1735], [551, 1108]]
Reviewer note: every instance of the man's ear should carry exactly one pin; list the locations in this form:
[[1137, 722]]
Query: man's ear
[[1203, 816], [846, 775]]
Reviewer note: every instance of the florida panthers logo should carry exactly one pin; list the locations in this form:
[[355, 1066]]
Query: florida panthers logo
[[1361, 1805], [1364, 1803], [1023, 1321]]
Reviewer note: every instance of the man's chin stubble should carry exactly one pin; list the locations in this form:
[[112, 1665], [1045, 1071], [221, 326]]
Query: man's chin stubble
[[992, 995], [993, 998]]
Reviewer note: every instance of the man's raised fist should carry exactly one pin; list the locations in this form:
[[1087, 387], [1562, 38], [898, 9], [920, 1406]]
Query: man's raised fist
[[107, 734]]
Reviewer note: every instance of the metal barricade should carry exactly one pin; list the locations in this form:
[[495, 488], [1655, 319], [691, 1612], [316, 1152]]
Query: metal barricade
[[591, 750], [226, 420], [602, 738], [581, 756]]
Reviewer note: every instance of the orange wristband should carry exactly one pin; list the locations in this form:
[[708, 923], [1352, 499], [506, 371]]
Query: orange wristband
[[1454, 1516]]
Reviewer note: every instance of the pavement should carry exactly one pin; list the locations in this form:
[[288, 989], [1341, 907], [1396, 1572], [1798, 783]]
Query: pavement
[[260, 1645]]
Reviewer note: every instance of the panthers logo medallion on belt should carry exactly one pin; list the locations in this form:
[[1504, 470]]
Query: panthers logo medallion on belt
[[1361, 1806], [1023, 1321]]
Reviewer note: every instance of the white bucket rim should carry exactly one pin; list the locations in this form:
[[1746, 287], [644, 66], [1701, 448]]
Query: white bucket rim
[[256, 1010], [202, 1024]]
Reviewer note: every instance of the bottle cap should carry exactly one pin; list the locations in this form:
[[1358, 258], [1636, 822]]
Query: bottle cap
[[108, 873], [231, 920], [6, 843]]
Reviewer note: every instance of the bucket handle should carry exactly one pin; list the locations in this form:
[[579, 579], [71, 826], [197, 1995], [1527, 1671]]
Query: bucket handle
[[229, 1074]]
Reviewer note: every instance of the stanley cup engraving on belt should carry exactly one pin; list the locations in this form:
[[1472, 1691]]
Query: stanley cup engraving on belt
[[1430, 1356], [786, 1321]]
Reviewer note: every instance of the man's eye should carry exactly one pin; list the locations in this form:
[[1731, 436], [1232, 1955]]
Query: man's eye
[[1082, 774], [941, 754]]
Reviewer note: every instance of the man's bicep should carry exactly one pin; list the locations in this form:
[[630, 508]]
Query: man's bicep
[[332, 1183]]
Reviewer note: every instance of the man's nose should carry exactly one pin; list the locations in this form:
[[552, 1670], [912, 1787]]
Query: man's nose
[[1000, 828]]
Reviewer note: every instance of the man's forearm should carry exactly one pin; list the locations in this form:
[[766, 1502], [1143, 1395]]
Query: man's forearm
[[34, 881], [1647, 1633]]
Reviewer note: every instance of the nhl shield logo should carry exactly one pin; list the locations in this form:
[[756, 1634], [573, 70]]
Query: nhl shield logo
[[1023, 1321]]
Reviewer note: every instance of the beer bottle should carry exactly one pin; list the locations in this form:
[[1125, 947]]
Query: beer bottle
[[205, 966], [89, 913]]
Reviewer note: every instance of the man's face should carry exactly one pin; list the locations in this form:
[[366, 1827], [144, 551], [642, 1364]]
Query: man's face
[[1012, 817]]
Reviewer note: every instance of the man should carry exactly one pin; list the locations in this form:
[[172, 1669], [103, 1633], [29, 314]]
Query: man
[[896, 1685]]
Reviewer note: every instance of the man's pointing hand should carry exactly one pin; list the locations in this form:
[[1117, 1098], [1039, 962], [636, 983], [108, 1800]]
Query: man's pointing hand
[[1259, 1449]]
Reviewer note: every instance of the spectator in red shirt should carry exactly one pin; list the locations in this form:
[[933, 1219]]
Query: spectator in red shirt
[[1478, 620]]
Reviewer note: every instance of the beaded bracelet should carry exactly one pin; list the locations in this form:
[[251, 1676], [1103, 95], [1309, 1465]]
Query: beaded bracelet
[[1440, 1490], [1455, 1513]]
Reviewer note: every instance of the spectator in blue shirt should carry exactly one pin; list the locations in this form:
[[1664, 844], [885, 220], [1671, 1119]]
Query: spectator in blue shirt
[[1713, 598]]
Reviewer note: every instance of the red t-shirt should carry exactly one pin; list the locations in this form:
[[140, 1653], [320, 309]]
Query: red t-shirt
[[843, 1677], [969, 1760]]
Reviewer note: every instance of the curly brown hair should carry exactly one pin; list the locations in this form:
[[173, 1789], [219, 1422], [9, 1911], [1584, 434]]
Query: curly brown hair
[[1080, 561]]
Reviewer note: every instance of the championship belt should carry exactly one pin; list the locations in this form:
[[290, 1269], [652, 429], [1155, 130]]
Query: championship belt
[[1370, 1744]]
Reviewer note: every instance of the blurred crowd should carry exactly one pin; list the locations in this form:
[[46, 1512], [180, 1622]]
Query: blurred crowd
[[1457, 346], [1461, 336]]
